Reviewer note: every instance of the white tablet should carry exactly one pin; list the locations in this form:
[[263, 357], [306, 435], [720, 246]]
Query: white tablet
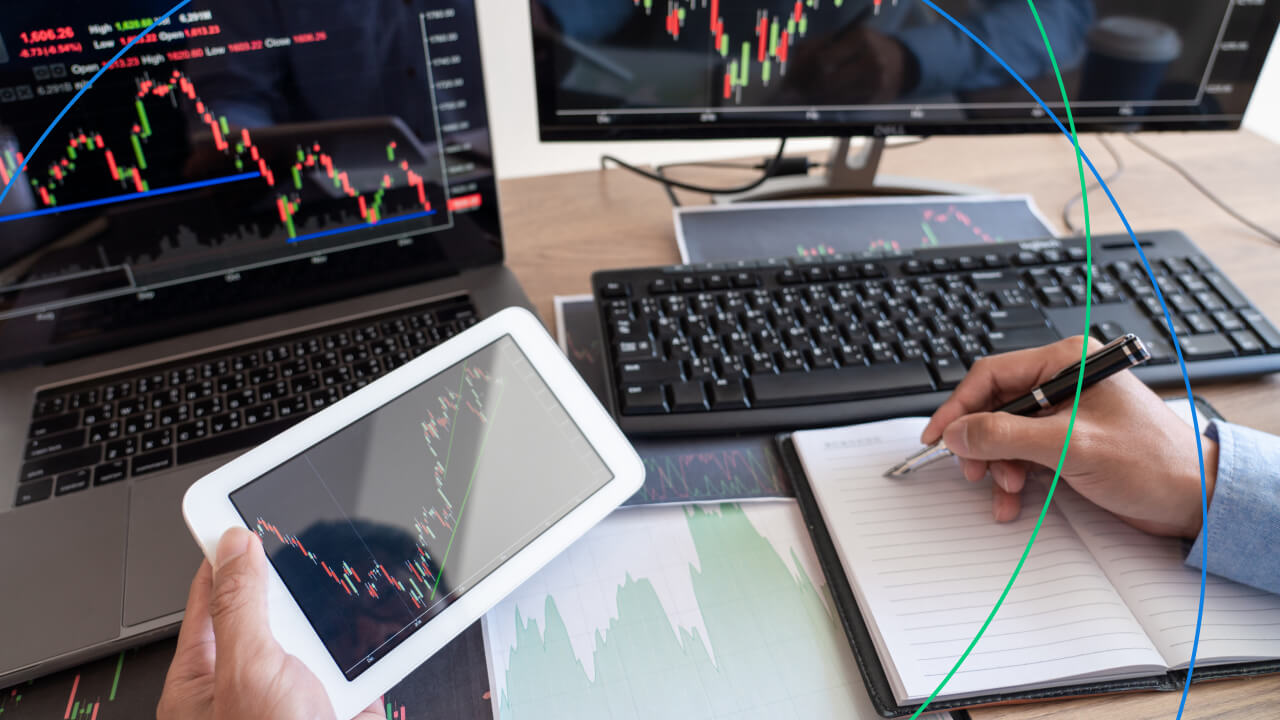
[[398, 516]]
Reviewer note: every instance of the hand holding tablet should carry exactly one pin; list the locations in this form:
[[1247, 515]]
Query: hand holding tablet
[[395, 518]]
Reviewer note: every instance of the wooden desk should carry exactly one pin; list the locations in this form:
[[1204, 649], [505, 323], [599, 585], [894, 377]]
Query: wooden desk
[[560, 228]]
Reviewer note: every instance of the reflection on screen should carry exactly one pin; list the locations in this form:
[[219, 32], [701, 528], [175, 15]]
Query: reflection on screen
[[382, 525]]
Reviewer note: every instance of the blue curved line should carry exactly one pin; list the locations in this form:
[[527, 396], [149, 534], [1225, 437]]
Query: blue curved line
[[1186, 380], [22, 168]]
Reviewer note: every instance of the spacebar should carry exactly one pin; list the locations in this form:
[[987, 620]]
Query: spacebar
[[232, 441], [849, 383]]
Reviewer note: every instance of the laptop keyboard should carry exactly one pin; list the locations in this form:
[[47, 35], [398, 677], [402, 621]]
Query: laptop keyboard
[[172, 413]]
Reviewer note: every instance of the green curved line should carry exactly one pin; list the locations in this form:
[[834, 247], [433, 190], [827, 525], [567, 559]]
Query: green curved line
[[1084, 352]]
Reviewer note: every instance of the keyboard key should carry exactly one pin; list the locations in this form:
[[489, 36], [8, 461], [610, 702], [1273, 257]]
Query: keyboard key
[[1106, 331], [1199, 323], [1208, 345], [152, 462], [61, 463], [688, 396], [661, 285], [233, 441], [109, 472], [640, 350], [1247, 342], [55, 424], [849, 383], [52, 444], [122, 448], [34, 491], [155, 440], [948, 371], [1262, 327], [615, 290], [1228, 291], [728, 394], [643, 400], [1228, 320], [72, 482], [1020, 338], [1014, 318]]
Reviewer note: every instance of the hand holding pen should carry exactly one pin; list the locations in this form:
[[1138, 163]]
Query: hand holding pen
[[1129, 452]]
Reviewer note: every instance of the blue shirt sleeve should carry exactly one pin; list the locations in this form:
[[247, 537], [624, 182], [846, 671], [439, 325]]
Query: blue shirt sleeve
[[1243, 529]]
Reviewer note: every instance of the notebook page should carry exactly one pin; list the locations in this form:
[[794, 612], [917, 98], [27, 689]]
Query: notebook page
[[927, 563], [1240, 623]]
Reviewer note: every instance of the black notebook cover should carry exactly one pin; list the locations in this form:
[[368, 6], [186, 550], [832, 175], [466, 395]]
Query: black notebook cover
[[864, 651]]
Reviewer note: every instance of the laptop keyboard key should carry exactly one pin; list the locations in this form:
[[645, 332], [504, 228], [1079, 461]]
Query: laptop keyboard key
[[34, 491], [72, 482], [61, 463], [152, 462], [232, 441], [109, 472], [53, 444], [54, 425]]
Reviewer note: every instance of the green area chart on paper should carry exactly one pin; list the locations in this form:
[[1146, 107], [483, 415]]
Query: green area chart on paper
[[754, 636]]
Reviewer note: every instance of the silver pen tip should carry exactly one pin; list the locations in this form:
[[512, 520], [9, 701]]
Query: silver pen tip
[[898, 470]]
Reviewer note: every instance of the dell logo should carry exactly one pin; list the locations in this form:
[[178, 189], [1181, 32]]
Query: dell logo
[[885, 130]]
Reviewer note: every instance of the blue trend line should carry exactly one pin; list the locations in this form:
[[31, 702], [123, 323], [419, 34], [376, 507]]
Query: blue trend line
[[132, 196], [349, 228], [1186, 380], [22, 168]]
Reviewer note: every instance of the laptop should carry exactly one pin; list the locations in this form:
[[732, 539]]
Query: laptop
[[259, 210]]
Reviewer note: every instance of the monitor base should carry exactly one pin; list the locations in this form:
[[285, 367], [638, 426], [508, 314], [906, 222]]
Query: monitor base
[[850, 175]]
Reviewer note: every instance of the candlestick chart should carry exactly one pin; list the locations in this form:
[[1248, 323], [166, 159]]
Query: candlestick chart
[[102, 166], [126, 686], [416, 577], [755, 46], [381, 526]]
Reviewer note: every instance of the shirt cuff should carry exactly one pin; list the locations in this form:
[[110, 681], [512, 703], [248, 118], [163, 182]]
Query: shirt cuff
[[1243, 527]]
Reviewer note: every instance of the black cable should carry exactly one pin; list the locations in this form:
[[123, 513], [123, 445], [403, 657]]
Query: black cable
[[671, 194], [669, 183], [1093, 185], [1273, 237], [714, 164]]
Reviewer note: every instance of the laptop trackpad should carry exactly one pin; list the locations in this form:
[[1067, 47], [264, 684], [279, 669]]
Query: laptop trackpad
[[162, 556], [62, 573]]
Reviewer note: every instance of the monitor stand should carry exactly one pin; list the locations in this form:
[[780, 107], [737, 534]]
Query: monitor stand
[[850, 175]]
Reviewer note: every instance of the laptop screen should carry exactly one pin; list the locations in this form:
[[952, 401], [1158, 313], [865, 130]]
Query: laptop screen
[[243, 157]]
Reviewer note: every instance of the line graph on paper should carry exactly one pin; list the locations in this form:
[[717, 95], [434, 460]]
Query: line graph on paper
[[824, 228]]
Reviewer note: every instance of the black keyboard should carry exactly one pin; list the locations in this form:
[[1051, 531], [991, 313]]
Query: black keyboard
[[171, 413], [802, 342]]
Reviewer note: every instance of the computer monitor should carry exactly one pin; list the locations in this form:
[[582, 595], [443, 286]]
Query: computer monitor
[[647, 69], [242, 158]]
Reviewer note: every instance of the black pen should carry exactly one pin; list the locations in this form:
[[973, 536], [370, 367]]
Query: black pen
[[1121, 353]]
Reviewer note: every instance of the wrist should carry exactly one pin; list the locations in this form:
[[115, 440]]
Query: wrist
[[1197, 513]]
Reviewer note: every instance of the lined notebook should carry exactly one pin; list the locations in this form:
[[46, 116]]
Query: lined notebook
[[1096, 600]]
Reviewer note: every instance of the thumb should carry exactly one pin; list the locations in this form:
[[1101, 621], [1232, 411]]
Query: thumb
[[1001, 436], [238, 604]]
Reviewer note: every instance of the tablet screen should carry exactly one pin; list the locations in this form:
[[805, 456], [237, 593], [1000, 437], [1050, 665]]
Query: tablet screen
[[382, 525]]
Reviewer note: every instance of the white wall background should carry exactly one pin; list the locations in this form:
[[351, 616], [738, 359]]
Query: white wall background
[[508, 52]]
